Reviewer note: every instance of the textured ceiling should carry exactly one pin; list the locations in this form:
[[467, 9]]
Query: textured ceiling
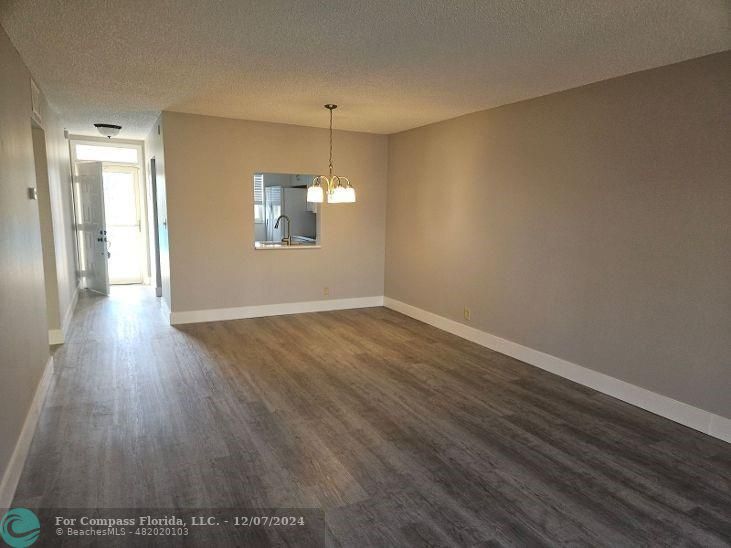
[[391, 65]]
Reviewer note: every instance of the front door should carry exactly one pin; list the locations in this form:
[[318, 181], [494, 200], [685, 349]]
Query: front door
[[91, 226]]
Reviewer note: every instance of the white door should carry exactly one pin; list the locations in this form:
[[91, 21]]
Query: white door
[[91, 226], [123, 216]]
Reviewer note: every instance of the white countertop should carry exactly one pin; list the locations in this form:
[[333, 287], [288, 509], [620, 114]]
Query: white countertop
[[261, 247]]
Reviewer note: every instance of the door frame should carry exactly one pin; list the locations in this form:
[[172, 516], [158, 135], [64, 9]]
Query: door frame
[[142, 179], [155, 226]]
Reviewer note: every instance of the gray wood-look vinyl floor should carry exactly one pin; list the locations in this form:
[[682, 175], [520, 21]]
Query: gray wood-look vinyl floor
[[403, 434]]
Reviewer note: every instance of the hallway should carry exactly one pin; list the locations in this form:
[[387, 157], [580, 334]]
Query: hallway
[[401, 432]]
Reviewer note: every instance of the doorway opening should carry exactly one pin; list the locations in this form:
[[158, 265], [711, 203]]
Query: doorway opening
[[123, 219], [110, 191]]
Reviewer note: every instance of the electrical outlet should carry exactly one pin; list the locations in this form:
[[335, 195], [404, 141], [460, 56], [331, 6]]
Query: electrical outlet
[[467, 313], [326, 291]]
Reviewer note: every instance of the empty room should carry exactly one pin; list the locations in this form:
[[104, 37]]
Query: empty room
[[365, 273]]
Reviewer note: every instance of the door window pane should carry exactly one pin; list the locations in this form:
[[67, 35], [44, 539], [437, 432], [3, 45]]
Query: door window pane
[[119, 198]]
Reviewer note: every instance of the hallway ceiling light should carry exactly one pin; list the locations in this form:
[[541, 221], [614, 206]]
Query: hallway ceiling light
[[339, 189], [108, 130]]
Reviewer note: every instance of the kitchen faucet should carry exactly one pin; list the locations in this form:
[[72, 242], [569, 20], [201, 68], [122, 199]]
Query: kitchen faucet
[[288, 238]]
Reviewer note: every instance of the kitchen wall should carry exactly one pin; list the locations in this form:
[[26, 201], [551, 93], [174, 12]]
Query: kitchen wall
[[23, 325], [593, 225], [209, 166]]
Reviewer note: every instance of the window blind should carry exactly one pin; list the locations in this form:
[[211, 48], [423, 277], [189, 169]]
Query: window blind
[[258, 197]]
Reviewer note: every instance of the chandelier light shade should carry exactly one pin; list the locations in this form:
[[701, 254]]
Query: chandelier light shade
[[108, 130], [349, 194], [314, 193], [338, 188]]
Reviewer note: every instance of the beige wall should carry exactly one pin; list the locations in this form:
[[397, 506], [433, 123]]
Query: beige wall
[[209, 167], [592, 224], [23, 329], [23, 321]]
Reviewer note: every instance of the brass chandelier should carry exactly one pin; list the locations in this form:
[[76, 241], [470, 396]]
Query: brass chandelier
[[338, 188]]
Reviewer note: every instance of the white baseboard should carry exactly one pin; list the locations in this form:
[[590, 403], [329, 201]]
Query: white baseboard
[[58, 336], [17, 459], [219, 314], [720, 427], [683, 413]]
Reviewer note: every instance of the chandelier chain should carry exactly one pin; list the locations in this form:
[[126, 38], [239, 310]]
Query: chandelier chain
[[331, 141], [337, 189]]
